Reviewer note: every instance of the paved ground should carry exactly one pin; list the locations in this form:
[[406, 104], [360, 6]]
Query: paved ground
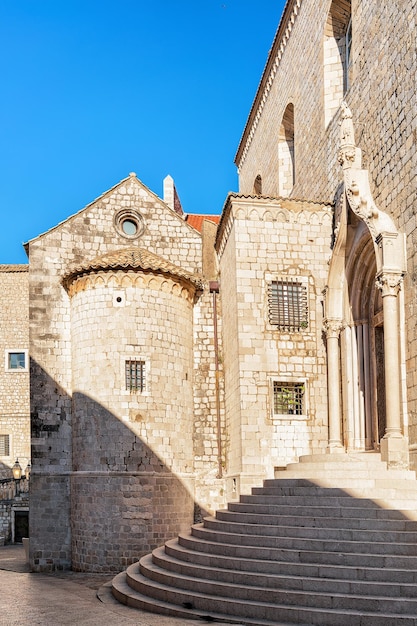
[[67, 598]]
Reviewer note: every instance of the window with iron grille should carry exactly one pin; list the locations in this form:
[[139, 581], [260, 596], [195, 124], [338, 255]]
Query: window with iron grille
[[135, 375], [287, 305], [4, 445], [288, 398]]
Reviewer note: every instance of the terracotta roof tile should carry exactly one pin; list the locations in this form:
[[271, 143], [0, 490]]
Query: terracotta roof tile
[[133, 258], [196, 221], [14, 268]]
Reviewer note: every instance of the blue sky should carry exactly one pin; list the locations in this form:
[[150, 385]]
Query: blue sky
[[95, 89]]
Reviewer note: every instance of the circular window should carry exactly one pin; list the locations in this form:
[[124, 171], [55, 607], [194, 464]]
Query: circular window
[[129, 227], [129, 223]]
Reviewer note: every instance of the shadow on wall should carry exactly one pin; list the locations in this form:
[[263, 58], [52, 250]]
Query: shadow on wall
[[100, 495]]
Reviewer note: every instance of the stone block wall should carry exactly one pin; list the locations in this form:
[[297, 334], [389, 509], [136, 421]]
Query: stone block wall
[[270, 240], [383, 101], [14, 383], [84, 419]]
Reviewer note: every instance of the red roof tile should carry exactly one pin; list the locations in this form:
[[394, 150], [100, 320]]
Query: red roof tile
[[196, 221]]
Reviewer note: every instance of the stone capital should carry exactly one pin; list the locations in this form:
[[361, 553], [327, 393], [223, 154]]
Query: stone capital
[[332, 328], [389, 283]]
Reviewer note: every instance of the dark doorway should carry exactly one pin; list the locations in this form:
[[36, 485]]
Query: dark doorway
[[21, 525], [380, 380]]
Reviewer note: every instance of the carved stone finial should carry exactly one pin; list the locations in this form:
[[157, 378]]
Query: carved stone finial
[[347, 134], [349, 154]]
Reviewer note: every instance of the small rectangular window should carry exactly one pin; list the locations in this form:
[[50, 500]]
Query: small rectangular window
[[4, 445], [287, 305], [288, 398], [16, 360], [135, 375]]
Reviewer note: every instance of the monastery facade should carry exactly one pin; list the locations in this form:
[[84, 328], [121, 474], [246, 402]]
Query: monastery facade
[[178, 361]]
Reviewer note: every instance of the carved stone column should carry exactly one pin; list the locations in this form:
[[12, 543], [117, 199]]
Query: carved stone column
[[333, 328], [394, 448]]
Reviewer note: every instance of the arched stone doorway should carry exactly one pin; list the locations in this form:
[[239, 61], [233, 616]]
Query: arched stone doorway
[[362, 347], [363, 321]]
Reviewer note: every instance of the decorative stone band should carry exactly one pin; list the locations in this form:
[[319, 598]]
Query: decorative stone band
[[389, 283], [133, 266], [268, 209], [120, 279]]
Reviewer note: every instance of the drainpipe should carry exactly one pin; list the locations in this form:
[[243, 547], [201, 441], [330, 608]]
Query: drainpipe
[[214, 289]]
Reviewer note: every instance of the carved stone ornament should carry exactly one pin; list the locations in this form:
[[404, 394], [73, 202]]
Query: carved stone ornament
[[349, 154], [356, 181], [389, 283], [332, 328]]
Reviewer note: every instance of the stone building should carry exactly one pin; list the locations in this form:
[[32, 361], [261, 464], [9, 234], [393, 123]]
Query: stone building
[[175, 363], [14, 400]]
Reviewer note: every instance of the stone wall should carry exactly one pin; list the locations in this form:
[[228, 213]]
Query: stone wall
[[93, 438], [14, 383], [383, 100], [262, 240]]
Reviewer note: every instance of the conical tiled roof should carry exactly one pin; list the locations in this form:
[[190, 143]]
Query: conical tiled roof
[[136, 259]]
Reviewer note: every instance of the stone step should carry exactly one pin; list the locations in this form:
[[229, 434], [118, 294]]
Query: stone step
[[260, 612], [370, 458], [164, 560], [402, 490], [347, 534], [305, 543], [231, 550], [314, 500], [317, 598], [345, 483], [288, 568], [406, 502], [321, 511], [336, 472], [126, 595], [329, 542], [319, 521]]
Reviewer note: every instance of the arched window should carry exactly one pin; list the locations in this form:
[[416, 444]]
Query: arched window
[[337, 56], [257, 185], [286, 164]]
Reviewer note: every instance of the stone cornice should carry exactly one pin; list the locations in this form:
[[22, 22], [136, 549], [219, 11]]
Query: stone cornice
[[120, 279], [282, 36], [137, 259], [262, 208]]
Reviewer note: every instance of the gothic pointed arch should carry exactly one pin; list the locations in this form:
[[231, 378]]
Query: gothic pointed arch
[[286, 156], [337, 56]]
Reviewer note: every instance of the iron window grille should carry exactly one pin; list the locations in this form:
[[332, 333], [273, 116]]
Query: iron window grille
[[288, 398], [4, 445], [135, 372], [287, 305]]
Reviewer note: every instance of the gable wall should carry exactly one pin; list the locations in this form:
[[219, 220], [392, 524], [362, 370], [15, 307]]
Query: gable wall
[[60, 331]]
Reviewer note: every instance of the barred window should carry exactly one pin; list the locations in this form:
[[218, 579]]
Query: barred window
[[135, 375], [288, 398], [4, 445], [287, 305]]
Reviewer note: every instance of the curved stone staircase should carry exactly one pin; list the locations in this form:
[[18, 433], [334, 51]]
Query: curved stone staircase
[[331, 541]]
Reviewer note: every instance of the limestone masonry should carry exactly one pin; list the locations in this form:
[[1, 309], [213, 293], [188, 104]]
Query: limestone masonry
[[177, 360]]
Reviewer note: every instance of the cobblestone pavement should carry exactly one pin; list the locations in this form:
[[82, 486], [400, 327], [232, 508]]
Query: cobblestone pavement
[[66, 598]]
